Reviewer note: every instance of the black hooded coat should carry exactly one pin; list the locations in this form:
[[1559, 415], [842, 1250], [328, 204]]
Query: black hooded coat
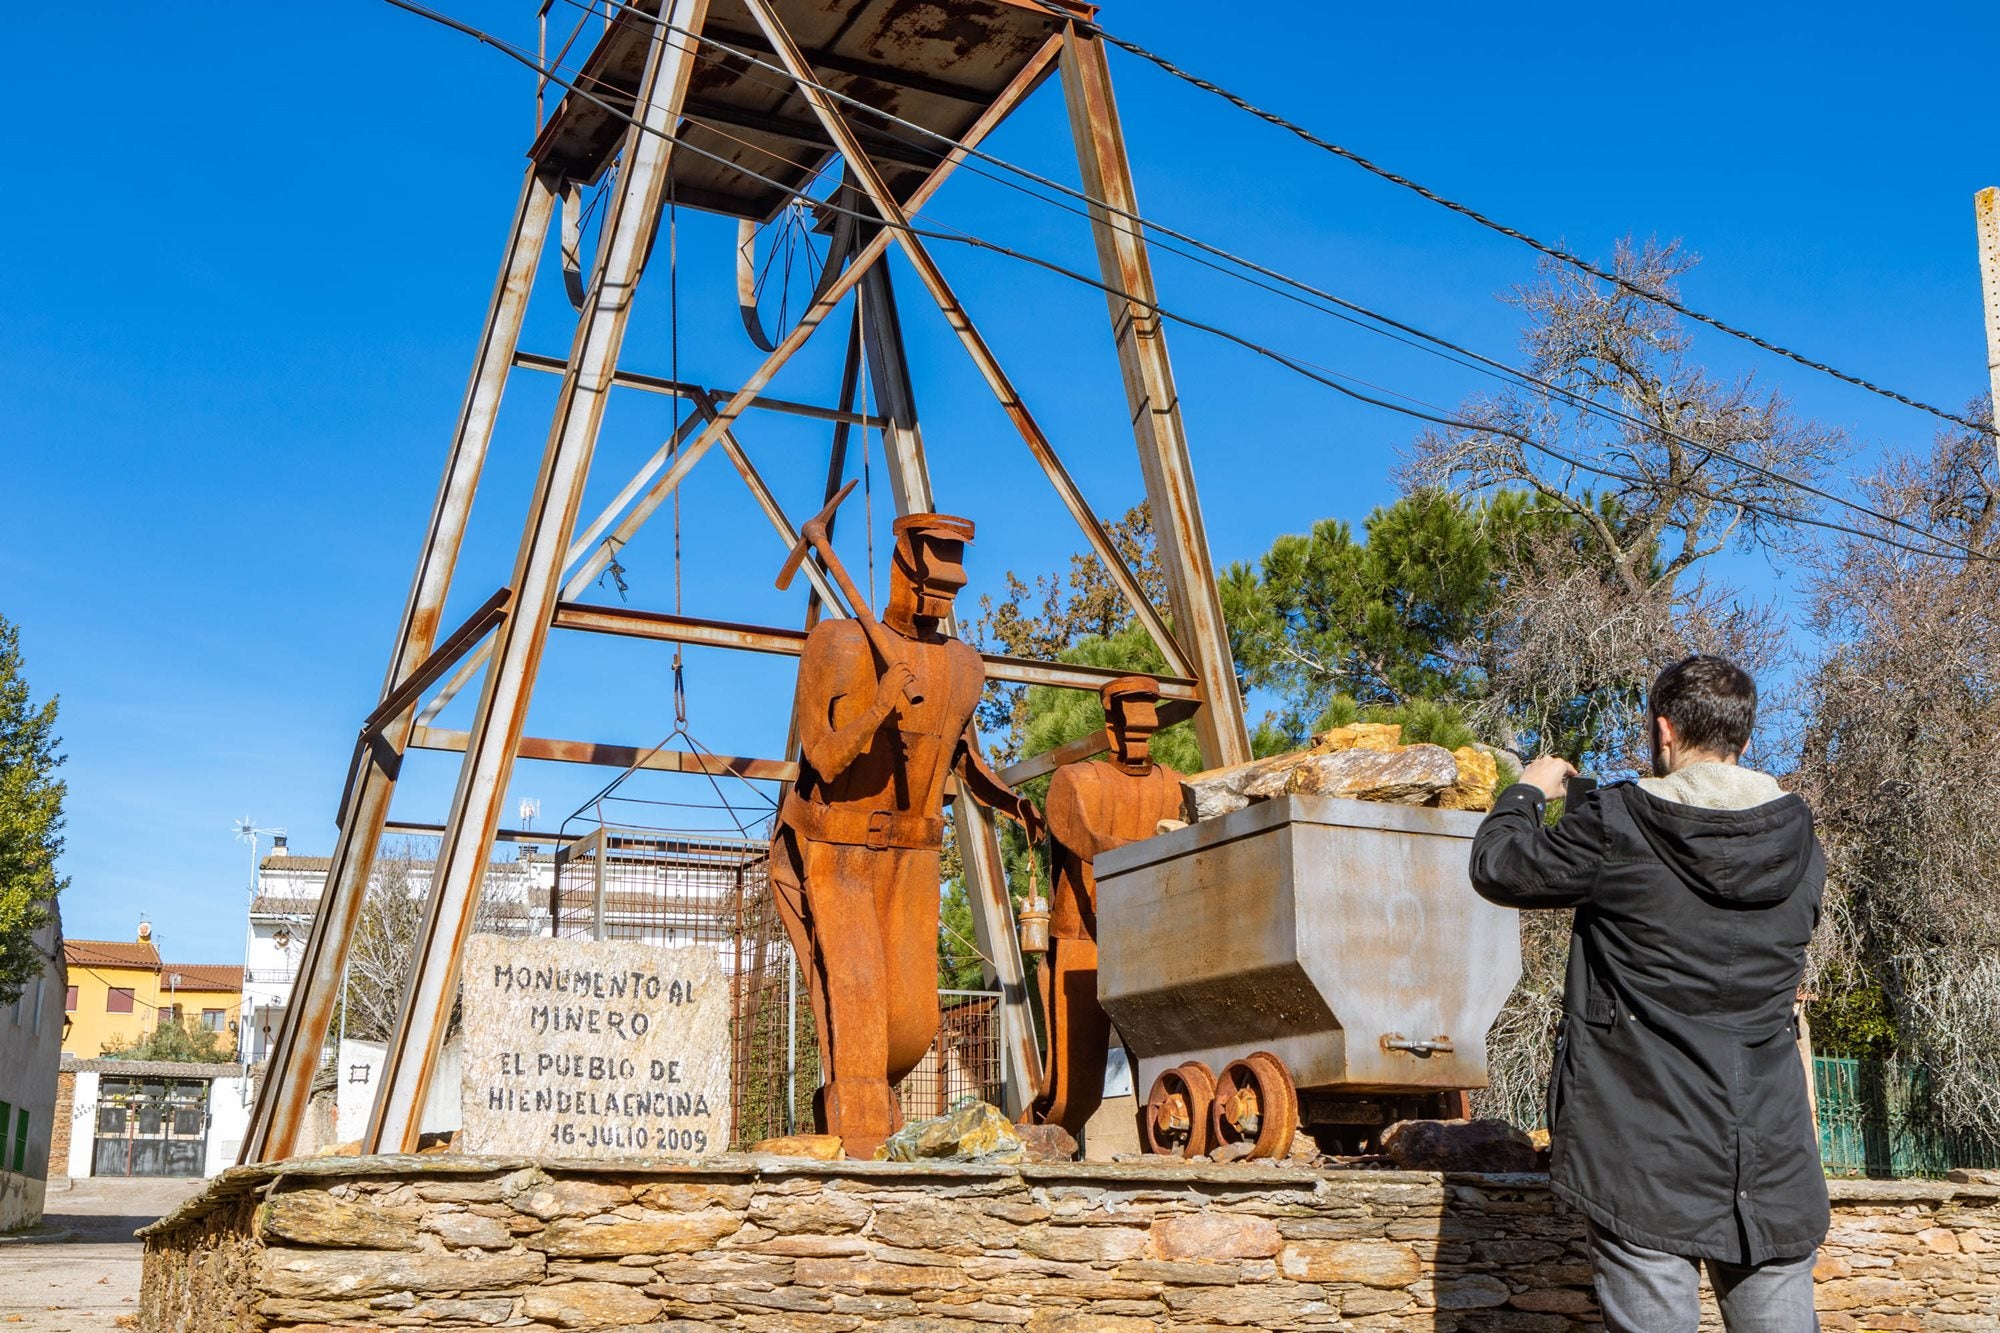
[[1677, 1108]]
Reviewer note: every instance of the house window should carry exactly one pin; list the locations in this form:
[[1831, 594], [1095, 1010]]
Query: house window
[[21, 1139], [174, 1014], [211, 1019], [69, 1001], [118, 1000]]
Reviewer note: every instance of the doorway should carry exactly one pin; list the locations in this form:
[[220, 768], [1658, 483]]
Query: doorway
[[151, 1127]]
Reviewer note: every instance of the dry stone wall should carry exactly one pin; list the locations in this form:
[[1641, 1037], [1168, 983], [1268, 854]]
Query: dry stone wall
[[746, 1245]]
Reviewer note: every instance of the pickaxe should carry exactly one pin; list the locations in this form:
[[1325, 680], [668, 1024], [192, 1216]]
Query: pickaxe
[[813, 538]]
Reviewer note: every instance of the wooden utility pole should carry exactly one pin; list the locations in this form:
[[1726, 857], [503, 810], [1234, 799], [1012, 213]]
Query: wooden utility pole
[[1986, 204]]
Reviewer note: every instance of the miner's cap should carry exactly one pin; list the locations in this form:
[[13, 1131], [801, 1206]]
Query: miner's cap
[[938, 527], [1128, 687]]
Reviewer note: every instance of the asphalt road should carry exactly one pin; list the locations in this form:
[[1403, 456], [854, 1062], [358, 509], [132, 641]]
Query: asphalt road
[[84, 1282]]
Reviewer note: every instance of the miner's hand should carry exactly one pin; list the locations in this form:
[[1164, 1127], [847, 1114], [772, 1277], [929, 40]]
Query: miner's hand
[[896, 682], [1032, 823], [1548, 773]]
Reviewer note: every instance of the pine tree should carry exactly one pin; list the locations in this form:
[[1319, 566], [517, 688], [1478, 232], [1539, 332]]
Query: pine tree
[[1334, 625], [31, 819]]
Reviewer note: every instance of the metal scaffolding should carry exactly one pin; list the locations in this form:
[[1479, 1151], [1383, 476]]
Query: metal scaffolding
[[735, 81]]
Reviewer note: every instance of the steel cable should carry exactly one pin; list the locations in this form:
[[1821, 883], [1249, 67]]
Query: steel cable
[[1439, 346], [1302, 368], [1551, 251]]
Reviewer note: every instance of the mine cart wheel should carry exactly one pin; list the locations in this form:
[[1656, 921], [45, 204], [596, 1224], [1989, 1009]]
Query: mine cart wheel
[[1176, 1121], [1255, 1102]]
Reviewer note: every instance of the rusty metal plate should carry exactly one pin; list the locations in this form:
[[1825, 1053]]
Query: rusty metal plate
[[939, 63]]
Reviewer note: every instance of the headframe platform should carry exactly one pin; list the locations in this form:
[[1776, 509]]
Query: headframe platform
[[941, 67]]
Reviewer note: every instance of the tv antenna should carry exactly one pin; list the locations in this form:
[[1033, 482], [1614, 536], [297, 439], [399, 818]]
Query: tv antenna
[[248, 831]]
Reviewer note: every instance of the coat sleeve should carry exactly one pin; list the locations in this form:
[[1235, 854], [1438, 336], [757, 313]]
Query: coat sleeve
[[1518, 861]]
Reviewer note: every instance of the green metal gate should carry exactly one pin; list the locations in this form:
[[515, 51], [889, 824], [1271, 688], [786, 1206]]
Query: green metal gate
[[1870, 1124]]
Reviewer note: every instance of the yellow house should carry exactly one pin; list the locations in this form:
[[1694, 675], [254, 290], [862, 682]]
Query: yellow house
[[114, 991], [209, 995], [120, 989]]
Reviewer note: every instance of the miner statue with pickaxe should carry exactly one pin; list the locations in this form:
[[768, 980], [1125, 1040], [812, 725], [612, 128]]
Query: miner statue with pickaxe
[[883, 716]]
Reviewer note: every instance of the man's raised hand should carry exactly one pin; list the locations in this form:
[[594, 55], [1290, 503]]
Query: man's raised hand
[[1548, 773]]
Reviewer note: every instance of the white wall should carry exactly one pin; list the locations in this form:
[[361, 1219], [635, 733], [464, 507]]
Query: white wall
[[228, 1123], [360, 1072], [83, 1122]]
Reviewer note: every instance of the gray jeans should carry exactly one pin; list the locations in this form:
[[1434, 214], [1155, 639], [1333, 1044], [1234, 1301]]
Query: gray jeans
[[1650, 1291]]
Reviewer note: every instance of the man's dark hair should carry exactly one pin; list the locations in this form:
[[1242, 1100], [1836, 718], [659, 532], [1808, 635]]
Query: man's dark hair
[[1711, 701]]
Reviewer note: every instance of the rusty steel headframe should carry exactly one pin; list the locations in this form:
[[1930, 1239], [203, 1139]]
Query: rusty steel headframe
[[760, 91]]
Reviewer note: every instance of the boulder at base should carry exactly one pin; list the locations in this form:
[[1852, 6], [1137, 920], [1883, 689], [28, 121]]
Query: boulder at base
[[972, 1131], [1047, 1143], [1492, 1146]]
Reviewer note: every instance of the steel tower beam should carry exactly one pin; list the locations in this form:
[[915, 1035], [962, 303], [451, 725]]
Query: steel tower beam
[[295, 1058], [1156, 405], [497, 726], [877, 189]]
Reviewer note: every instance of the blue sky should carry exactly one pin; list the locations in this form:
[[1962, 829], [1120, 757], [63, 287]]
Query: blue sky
[[235, 326]]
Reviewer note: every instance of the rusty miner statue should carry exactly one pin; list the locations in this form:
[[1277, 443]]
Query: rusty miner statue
[[884, 716], [1092, 808]]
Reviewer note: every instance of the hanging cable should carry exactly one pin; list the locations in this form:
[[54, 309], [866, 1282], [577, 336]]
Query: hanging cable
[[612, 569], [867, 469], [1294, 364], [674, 372], [1342, 308], [1464, 210], [1551, 251], [1431, 411]]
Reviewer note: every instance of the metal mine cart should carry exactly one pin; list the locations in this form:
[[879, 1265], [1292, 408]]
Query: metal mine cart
[[1327, 956]]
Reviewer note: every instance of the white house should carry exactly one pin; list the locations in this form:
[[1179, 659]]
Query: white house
[[287, 902]]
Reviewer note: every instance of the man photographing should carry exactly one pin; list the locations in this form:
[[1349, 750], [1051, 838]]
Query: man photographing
[[1677, 1110]]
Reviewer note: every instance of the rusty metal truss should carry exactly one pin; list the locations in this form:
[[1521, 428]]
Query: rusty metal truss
[[741, 84]]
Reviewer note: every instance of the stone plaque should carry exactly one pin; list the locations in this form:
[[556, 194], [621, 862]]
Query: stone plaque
[[581, 1048]]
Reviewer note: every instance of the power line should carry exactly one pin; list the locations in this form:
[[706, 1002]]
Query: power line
[[1294, 364], [1438, 346], [1465, 210]]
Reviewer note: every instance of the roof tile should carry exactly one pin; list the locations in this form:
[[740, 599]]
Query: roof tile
[[205, 976], [112, 953]]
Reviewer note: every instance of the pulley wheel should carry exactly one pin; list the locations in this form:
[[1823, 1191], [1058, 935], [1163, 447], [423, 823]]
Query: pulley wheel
[[1176, 1120], [1257, 1103]]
